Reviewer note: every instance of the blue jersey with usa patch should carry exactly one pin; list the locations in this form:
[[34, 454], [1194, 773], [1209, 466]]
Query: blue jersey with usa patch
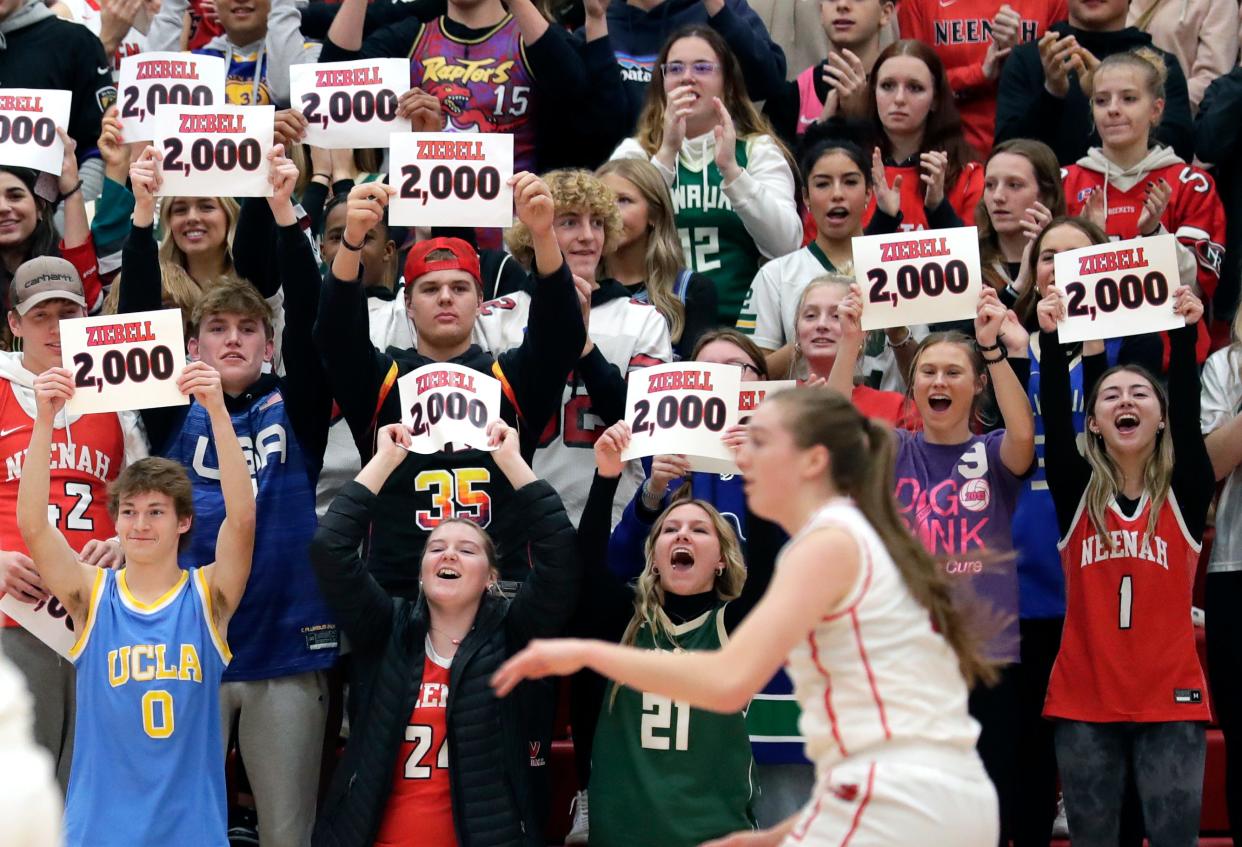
[[282, 626], [148, 763]]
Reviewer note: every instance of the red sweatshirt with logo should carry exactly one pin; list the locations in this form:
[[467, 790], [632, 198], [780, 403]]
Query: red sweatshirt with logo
[[1194, 213]]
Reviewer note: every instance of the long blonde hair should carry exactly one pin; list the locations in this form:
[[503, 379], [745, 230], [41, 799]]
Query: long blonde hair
[[665, 258], [1106, 480], [863, 461], [182, 291], [649, 594]]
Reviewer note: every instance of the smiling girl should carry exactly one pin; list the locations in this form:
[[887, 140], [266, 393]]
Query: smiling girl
[[28, 201], [195, 252], [1129, 187], [1127, 693], [731, 179], [819, 340], [434, 757], [1041, 583]]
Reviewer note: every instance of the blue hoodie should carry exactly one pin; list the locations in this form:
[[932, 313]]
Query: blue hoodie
[[637, 37]]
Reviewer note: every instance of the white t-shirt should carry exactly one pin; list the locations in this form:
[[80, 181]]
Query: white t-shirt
[[1219, 402]]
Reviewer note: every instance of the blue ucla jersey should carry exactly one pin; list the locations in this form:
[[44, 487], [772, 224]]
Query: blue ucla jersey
[[148, 760], [282, 626]]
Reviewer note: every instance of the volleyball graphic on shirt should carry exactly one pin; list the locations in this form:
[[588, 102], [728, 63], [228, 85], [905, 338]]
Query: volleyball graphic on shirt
[[975, 495]]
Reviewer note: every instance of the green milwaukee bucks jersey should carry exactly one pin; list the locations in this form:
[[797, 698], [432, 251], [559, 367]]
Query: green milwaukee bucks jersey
[[665, 774], [713, 237]]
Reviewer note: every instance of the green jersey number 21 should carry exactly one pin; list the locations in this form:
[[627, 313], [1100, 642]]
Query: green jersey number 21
[[659, 716]]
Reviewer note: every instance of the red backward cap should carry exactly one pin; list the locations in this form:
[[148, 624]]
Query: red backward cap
[[464, 258]]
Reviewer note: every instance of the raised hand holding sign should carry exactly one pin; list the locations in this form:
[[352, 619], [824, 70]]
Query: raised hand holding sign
[[28, 121], [124, 362], [451, 179], [1119, 288], [929, 276], [215, 151], [445, 405], [149, 81], [683, 408], [350, 105]]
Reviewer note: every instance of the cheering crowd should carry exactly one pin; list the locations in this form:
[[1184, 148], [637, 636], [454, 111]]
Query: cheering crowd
[[289, 629]]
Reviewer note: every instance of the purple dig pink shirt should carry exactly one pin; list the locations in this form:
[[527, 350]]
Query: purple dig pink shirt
[[959, 500]]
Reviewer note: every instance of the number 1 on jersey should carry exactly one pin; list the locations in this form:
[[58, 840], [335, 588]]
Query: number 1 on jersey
[[1126, 602]]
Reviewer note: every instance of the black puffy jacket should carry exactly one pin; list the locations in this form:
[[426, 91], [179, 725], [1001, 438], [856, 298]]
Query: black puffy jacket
[[489, 757]]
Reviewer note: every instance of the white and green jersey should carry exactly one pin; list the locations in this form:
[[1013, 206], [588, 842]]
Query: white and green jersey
[[664, 773], [770, 311]]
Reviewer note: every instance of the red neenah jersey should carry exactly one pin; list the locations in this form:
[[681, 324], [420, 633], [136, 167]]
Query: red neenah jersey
[[85, 457], [420, 806], [1128, 646]]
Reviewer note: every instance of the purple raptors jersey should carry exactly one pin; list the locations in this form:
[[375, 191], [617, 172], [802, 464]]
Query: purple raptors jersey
[[484, 84]]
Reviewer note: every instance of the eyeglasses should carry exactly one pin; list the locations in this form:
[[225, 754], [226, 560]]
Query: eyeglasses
[[698, 70], [746, 366]]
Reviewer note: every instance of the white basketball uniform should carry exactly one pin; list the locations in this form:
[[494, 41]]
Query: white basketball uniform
[[884, 716], [630, 335]]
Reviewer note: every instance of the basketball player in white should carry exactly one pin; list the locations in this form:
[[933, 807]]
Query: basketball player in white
[[879, 655]]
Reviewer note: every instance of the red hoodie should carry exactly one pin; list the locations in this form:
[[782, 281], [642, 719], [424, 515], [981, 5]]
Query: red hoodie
[[1194, 213], [960, 32]]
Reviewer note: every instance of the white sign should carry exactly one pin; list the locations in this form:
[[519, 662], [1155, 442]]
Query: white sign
[[451, 179], [350, 105], [28, 121], [923, 277], [150, 80], [684, 408], [46, 620], [751, 394], [444, 404], [215, 151], [124, 362], [1119, 288]]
